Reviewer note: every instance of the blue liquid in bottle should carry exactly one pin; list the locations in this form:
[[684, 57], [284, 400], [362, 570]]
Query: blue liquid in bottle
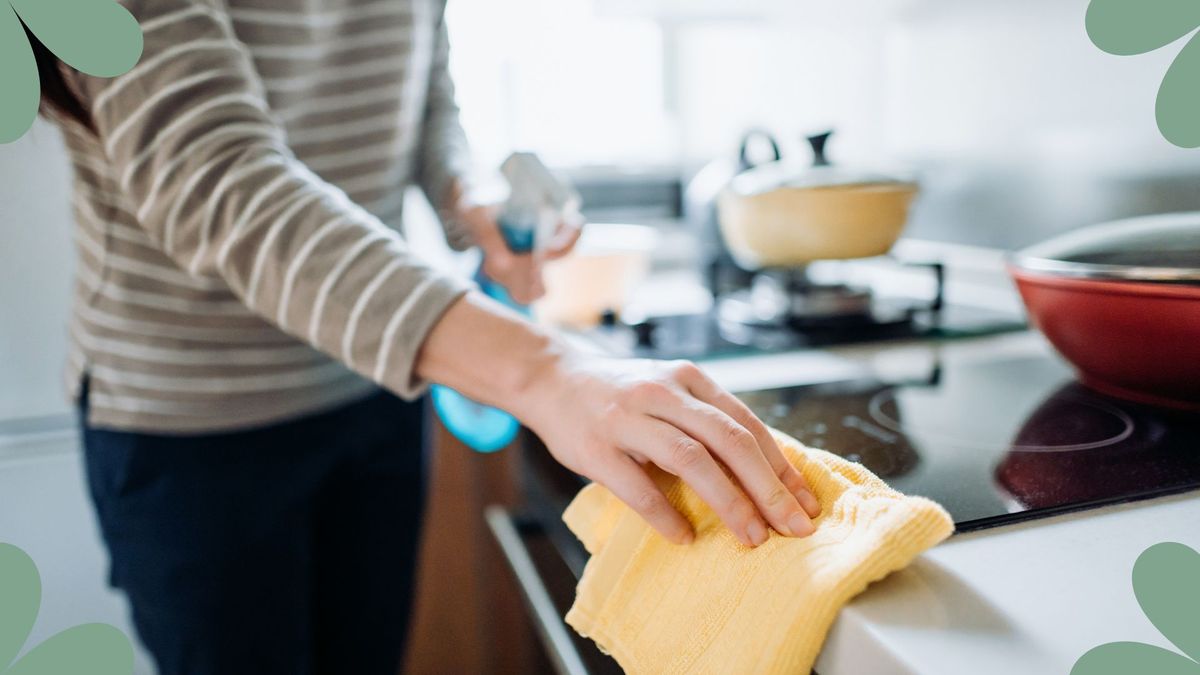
[[480, 427]]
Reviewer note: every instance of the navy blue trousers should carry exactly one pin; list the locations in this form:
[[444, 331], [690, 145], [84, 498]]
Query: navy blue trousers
[[281, 550]]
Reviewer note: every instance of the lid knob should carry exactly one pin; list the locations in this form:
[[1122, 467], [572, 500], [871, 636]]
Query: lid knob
[[818, 142]]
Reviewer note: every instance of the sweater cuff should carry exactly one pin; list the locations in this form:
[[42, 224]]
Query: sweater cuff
[[431, 304]]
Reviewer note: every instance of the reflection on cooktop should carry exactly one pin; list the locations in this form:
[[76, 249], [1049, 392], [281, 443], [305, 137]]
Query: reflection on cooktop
[[995, 441]]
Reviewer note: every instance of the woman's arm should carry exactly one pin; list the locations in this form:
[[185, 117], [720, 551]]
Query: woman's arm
[[198, 153], [607, 418]]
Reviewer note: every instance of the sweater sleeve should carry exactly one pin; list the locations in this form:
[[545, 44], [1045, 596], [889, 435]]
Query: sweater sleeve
[[444, 154], [193, 141]]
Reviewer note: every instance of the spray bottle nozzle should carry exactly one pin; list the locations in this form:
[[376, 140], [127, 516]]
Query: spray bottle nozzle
[[538, 201]]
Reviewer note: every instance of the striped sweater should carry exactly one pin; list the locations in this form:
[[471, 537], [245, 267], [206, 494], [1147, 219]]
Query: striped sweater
[[237, 209]]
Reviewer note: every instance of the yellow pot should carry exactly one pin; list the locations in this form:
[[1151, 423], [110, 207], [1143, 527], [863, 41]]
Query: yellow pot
[[771, 219]]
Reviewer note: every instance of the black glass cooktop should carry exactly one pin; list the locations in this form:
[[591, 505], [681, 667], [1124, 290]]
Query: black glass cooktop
[[704, 336], [995, 441]]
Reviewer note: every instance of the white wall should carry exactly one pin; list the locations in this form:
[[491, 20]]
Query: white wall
[[1024, 126], [45, 511], [36, 258], [556, 77], [947, 77], [1017, 78], [1018, 126]]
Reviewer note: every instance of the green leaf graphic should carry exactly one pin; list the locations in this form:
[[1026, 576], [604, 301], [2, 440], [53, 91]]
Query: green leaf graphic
[[1178, 106], [19, 79], [1127, 27], [88, 649], [1128, 658], [1166, 581], [100, 38], [97, 37], [20, 596]]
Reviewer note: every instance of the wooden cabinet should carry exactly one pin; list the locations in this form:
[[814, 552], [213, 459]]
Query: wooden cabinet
[[469, 616]]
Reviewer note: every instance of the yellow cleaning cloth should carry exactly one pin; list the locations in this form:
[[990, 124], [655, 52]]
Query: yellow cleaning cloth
[[716, 606]]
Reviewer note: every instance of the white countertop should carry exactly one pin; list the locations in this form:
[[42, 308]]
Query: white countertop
[[1027, 598]]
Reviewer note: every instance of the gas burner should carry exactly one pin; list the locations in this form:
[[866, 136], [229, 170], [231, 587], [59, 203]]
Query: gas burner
[[780, 298], [809, 315], [883, 322], [788, 300]]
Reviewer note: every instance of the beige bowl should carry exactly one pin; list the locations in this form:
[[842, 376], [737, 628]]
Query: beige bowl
[[793, 226], [607, 264]]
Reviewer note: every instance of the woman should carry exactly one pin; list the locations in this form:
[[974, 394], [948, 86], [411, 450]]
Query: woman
[[249, 336]]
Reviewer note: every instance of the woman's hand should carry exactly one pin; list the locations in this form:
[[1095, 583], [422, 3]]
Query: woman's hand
[[607, 419], [519, 273]]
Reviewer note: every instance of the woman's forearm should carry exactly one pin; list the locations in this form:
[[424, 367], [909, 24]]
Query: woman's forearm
[[489, 353], [607, 418]]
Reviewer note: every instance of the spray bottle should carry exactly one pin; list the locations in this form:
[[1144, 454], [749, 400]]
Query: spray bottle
[[538, 201]]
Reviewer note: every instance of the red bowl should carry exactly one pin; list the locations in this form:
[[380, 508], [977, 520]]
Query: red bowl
[[1137, 340]]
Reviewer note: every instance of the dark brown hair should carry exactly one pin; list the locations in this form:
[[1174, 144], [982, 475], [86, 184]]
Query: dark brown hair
[[55, 93]]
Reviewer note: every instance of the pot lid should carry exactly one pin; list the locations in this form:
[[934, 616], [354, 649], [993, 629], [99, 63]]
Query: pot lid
[[796, 175], [815, 174], [1161, 249]]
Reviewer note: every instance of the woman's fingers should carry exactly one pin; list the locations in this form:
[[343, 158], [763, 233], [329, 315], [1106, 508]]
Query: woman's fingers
[[794, 480], [520, 274], [537, 284], [684, 456], [564, 240], [629, 482], [480, 222], [737, 448], [525, 284], [706, 390]]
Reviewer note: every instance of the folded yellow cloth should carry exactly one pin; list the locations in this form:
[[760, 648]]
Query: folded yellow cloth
[[716, 606]]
